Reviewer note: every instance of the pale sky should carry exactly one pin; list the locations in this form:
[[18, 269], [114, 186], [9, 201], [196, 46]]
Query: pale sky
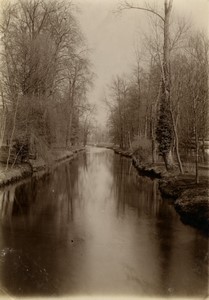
[[113, 38]]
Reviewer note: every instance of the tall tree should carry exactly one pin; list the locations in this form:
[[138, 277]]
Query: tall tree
[[164, 132]]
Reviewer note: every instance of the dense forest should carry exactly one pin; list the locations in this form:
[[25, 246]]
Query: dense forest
[[45, 76], [161, 106]]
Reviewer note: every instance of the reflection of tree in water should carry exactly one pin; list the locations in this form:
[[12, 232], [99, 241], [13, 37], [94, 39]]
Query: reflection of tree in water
[[35, 217], [118, 186], [40, 196], [135, 191], [6, 201], [164, 229], [84, 161], [181, 256], [200, 257], [179, 265], [100, 157]]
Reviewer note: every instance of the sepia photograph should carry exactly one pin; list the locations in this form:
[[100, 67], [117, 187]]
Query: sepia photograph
[[104, 149]]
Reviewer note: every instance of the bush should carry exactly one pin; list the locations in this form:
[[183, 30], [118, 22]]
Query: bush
[[142, 149]]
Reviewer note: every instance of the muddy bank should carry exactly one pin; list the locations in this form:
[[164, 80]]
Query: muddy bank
[[190, 199], [24, 170]]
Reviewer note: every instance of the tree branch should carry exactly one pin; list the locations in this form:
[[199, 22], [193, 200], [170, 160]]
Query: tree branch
[[127, 5]]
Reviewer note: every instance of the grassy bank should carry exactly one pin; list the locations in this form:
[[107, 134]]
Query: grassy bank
[[24, 170]]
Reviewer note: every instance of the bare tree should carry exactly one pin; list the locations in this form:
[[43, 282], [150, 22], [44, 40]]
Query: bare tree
[[197, 86], [164, 127], [43, 66]]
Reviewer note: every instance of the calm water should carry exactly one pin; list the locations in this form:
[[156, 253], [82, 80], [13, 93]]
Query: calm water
[[95, 227]]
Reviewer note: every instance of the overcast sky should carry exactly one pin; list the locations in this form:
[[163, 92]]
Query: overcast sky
[[113, 38]]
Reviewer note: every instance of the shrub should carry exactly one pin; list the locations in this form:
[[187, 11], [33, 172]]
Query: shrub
[[142, 149]]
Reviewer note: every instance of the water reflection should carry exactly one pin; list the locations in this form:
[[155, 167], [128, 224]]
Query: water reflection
[[95, 227], [130, 190]]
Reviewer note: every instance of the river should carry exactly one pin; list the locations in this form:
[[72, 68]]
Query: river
[[94, 227]]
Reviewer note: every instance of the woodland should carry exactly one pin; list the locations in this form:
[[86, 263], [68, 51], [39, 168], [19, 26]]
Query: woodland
[[159, 108]]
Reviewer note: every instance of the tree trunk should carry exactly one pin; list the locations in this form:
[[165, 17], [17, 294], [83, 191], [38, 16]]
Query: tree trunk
[[154, 109], [176, 145], [3, 121], [67, 133], [13, 131], [168, 160], [129, 140], [69, 125], [145, 126], [196, 155], [3, 128], [153, 141], [166, 72], [203, 150]]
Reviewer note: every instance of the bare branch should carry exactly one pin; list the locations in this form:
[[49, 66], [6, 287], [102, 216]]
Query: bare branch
[[127, 5]]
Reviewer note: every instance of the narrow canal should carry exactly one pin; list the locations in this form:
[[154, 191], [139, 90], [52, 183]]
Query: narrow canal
[[94, 227]]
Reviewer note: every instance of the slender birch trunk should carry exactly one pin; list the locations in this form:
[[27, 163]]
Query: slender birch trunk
[[13, 131]]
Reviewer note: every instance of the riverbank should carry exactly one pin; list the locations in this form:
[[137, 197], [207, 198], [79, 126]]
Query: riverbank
[[189, 198], [24, 170]]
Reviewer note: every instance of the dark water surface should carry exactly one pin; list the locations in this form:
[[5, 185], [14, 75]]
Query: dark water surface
[[94, 227]]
